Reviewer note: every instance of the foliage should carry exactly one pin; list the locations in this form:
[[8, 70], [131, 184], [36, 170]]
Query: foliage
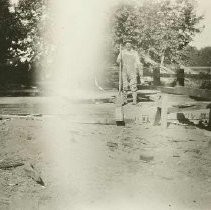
[[197, 57], [6, 30], [161, 28], [32, 19], [204, 56], [206, 85]]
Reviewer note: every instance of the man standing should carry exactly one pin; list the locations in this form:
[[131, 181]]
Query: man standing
[[131, 64]]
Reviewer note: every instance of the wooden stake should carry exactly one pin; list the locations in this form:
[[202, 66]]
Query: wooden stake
[[209, 124], [164, 110]]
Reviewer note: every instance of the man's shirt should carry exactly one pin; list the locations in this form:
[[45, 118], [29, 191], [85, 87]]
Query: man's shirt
[[130, 60]]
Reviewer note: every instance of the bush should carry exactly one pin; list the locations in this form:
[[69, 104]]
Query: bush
[[206, 85]]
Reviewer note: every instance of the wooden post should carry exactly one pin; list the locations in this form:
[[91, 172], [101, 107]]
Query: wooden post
[[180, 77], [158, 112], [164, 110], [157, 116], [156, 76], [209, 123]]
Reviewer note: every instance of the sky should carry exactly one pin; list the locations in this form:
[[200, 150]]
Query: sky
[[204, 39]]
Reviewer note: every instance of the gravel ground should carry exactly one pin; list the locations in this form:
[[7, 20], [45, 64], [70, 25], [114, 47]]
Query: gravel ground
[[96, 166]]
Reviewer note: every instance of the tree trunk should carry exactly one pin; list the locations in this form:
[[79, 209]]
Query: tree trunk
[[156, 72], [162, 59]]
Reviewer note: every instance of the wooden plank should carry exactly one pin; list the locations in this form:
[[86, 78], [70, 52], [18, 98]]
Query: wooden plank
[[200, 93], [164, 109], [189, 107]]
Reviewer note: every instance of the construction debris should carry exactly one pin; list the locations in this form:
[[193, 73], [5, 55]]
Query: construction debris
[[33, 173], [146, 158], [10, 163]]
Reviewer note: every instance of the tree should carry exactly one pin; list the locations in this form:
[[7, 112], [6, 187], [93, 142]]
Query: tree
[[160, 28], [32, 20], [205, 56], [191, 56], [6, 30]]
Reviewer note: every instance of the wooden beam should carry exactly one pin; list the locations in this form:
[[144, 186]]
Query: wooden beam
[[189, 107], [199, 93]]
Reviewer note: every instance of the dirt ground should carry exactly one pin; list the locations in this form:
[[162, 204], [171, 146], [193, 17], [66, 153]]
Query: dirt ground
[[98, 166]]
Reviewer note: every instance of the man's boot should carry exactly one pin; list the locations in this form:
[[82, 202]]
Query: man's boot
[[134, 94]]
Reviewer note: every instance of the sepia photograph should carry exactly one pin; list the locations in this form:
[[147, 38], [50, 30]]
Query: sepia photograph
[[105, 105]]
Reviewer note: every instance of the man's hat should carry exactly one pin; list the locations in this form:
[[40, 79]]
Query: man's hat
[[128, 41]]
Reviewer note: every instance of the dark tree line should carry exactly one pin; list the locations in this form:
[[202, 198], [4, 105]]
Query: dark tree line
[[7, 32], [22, 44], [198, 57], [21, 28]]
